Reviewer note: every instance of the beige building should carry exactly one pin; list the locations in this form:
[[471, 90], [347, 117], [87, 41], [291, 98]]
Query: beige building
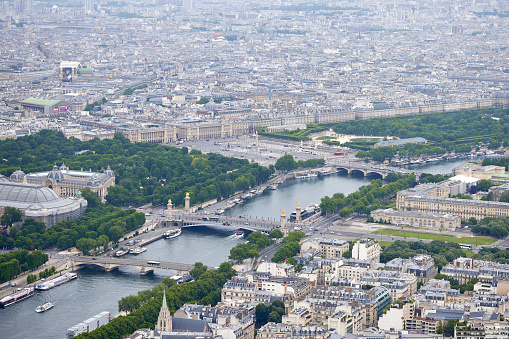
[[66, 182], [461, 207], [417, 219], [481, 172]]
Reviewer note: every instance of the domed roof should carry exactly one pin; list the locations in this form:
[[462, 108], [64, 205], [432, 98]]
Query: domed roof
[[210, 106], [17, 175], [109, 171], [56, 174], [26, 193]]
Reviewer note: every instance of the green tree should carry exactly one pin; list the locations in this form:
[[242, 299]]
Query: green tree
[[484, 185], [276, 234], [198, 270], [86, 245], [261, 314], [203, 101], [285, 163], [10, 216]]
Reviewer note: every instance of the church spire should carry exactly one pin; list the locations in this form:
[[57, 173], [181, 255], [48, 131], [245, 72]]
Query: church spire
[[164, 307]]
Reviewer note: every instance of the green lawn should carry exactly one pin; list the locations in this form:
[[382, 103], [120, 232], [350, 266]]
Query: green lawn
[[365, 140], [462, 240], [468, 253], [385, 243]]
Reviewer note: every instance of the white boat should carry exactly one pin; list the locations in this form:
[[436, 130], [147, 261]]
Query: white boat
[[137, 250], [273, 187], [17, 296], [172, 233], [56, 282], [44, 307]]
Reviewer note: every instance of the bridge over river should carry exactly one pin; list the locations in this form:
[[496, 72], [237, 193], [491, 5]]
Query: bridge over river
[[367, 169], [144, 266], [224, 223]]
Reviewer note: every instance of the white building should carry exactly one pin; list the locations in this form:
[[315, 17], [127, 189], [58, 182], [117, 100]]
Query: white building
[[366, 249]]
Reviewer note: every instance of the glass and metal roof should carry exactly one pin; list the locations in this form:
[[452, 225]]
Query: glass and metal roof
[[26, 193]]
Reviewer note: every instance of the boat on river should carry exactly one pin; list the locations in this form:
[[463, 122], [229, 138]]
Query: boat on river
[[56, 282], [172, 233], [121, 253], [17, 296], [137, 250], [44, 307]]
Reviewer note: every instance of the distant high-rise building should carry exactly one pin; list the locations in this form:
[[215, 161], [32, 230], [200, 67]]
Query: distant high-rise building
[[18, 6], [188, 5], [89, 6], [27, 6]]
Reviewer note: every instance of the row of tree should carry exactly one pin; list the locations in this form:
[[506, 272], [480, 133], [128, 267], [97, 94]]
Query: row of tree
[[16, 262], [494, 254], [366, 198], [143, 308], [441, 251], [497, 227], [255, 242], [290, 247], [288, 163]]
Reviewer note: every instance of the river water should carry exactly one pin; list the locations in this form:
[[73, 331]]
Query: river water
[[304, 191], [96, 290]]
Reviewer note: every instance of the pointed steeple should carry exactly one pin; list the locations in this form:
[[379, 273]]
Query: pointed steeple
[[164, 321], [164, 307]]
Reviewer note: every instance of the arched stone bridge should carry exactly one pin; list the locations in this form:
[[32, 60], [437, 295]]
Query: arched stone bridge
[[224, 223], [143, 265], [370, 170]]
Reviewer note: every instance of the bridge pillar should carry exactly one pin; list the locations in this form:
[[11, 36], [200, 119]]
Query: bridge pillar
[[110, 267], [187, 203], [283, 223], [145, 270], [297, 214], [169, 211]]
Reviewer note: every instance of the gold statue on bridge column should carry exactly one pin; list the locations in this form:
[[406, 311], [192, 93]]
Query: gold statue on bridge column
[[283, 223], [187, 203]]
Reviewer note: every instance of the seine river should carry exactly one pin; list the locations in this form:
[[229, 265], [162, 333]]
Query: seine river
[[96, 290]]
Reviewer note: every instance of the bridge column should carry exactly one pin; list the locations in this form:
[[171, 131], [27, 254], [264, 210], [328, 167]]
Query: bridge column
[[187, 203], [145, 270], [283, 223], [297, 214], [110, 267], [169, 211]]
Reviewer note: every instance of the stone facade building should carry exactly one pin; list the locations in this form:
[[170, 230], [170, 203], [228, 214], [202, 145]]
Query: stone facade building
[[66, 182]]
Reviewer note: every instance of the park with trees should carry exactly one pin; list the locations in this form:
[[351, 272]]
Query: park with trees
[[459, 132], [100, 224], [144, 172]]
